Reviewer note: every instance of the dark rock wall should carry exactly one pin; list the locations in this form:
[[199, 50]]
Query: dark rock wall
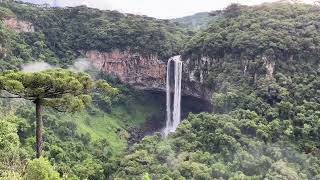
[[145, 72]]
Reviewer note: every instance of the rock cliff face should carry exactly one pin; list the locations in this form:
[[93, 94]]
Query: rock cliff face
[[132, 68], [269, 65], [19, 25], [144, 72]]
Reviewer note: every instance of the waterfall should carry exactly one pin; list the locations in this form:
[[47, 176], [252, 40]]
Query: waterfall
[[168, 101], [173, 119]]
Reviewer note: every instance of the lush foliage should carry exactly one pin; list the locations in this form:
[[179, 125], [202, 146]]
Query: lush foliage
[[277, 30], [14, 51], [57, 88], [11, 156], [40, 169], [197, 21], [229, 146], [261, 62], [278, 77], [71, 32], [82, 145]]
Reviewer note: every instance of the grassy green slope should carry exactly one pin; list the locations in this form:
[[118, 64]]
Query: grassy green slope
[[113, 126], [100, 126], [135, 113]]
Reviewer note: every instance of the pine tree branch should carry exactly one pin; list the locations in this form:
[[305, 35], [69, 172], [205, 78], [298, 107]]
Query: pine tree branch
[[11, 97]]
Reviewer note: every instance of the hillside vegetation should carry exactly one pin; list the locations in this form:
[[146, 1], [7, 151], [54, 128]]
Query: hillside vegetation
[[67, 31], [262, 63], [197, 21]]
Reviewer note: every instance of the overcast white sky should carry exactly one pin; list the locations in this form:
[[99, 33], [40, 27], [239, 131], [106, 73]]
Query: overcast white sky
[[157, 8]]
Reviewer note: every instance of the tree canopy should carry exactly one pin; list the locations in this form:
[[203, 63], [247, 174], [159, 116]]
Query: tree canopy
[[71, 32], [280, 30], [261, 63], [60, 89], [54, 87]]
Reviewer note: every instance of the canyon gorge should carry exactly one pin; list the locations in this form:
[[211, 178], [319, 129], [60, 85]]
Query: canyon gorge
[[146, 72]]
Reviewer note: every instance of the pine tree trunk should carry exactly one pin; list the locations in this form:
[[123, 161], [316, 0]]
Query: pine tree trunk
[[39, 125]]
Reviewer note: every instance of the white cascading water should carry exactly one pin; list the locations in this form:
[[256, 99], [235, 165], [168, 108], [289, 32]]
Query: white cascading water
[[173, 119]]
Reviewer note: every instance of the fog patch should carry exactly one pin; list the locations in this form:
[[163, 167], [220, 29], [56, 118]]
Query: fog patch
[[36, 67], [81, 65]]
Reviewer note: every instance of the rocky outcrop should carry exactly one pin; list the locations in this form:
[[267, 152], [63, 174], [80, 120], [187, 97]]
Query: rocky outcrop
[[3, 53], [269, 65], [19, 25], [194, 75], [139, 71], [144, 72], [149, 72]]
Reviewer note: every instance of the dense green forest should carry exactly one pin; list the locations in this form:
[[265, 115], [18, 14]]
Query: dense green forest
[[62, 33], [261, 62], [264, 126], [198, 20]]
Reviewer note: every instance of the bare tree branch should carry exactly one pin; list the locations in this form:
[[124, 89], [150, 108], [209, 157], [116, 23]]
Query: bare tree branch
[[11, 97]]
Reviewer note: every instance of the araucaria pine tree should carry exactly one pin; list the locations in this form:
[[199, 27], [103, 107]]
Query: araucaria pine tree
[[59, 89]]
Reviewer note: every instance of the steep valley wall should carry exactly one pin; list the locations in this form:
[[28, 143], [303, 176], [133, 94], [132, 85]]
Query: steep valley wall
[[145, 72]]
